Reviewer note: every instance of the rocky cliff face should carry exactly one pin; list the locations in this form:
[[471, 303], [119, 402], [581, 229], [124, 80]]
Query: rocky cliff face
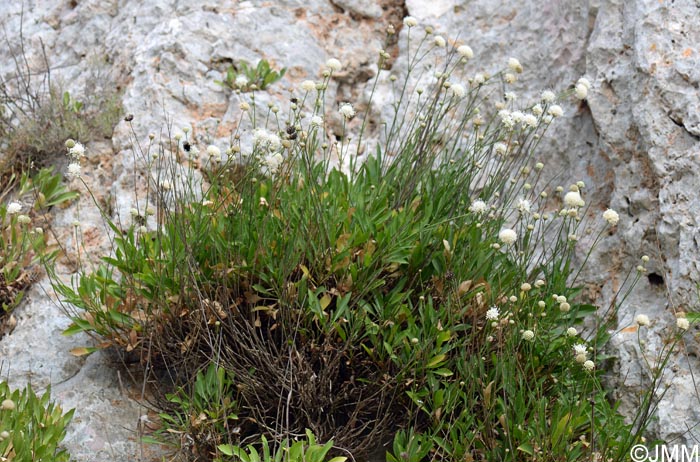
[[635, 143]]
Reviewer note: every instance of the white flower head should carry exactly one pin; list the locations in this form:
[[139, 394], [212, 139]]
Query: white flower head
[[266, 139], [347, 110], [334, 65], [23, 219], [571, 332], [528, 335], [500, 148], [588, 365], [241, 81], [581, 91], [14, 208], [73, 170], [548, 96], [642, 320], [584, 81], [465, 51], [458, 90], [410, 21], [244, 106], [77, 151], [439, 41], [492, 313], [507, 236], [273, 162], [611, 216], [479, 78], [574, 199], [537, 110], [308, 85], [580, 349], [555, 111], [316, 121], [523, 206], [682, 323], [515, 65], [506, 118], [530, 120], [213, 151], [478, 207]]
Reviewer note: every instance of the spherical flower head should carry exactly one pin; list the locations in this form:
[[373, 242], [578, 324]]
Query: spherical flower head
[[581, 91], [410, 21], [682, 323], [507, 236], [478, 207], [548, 96], [7, 405], [347, 111], [334, 65], [537, 110], [573, 199], [14, 208], [500, 148], [588, 365], [165, 185], [73, 170], [564, 307], [492, 313], [611, 216], [316, 121], [439, 41], [213, 151], [584, 81], [525, 287], [23, 219], [77, 151], [529, 120], [580, 349], [479, 78], [244, 106], [458, 90], [465, 51], [241, 81], [510, 78], [308, 85], [642, 320], [523, 206], [571, 332], [515, 65], [555, 111], [510, 96], [528, 335], [273, 162]]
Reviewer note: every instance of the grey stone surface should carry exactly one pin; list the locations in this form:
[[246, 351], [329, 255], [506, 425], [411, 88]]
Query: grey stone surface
[[635, 142]]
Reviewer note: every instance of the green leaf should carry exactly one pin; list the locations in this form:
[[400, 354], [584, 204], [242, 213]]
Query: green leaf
[[527, 449], [226, 449]]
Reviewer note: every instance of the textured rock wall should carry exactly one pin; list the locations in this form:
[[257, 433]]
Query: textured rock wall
[[635, 143]]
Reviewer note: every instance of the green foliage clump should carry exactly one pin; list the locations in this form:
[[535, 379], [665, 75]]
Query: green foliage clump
[[22, 241], [38, 114], [31, 427], [419, 289], [246, 77], [298, 451]]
